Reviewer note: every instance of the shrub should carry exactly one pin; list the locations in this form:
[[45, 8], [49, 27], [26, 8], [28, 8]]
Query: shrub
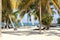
[[46, 19], [58, 20]]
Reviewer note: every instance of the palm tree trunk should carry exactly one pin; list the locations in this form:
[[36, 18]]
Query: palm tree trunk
[[27, 19], [6, 24], [7, 21], [40, 18], [55, 4], [0, 15], [0, 22], [11, 22], [46, 28]]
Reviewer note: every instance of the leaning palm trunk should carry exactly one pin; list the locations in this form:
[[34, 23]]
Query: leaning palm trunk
[[11, 22], [0, 16], [15, 28]]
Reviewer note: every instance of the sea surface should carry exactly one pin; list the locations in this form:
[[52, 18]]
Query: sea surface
[[28, 24], [24, 24]]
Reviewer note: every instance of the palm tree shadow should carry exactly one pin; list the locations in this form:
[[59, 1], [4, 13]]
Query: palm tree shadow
[[34, 33], [19, 33], [53, 33], [27, 33], [56, 29]]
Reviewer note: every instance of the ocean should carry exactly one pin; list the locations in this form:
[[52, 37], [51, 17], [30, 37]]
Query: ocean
[[24, 24], [28, 24]]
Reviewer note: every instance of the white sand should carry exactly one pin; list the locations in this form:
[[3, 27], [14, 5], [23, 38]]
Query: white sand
[[30, 34]]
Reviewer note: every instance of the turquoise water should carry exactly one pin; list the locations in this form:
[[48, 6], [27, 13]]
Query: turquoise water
[[28, 24], [25, 24]]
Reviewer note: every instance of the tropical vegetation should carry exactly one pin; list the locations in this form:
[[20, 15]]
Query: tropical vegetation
[[10, 8], [58, 20], [47, 20]]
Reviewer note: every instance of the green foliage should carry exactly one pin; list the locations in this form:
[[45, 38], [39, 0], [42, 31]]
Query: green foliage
[[58, 20], [17, 23], [13, 17], [6, 5], [7, 10], [46, 19]]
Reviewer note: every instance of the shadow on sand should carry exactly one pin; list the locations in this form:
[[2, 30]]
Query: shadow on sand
[[19, 33], [27, 33]]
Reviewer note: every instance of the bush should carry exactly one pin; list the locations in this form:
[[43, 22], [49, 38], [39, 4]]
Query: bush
[[46, 19], [58, 20]]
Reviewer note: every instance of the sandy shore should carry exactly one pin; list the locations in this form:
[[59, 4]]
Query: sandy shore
[[30, 34]]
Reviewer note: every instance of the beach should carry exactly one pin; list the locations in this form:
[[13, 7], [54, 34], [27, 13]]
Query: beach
[[29, 34]]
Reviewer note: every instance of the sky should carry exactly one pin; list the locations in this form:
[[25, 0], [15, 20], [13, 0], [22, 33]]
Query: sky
[[24, 20], [56, 16]]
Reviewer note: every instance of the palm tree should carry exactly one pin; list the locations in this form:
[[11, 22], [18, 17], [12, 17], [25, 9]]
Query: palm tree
[[13, 18], [46, 20], [25, 5], [6, 8], [0, 15], [7, 11], [44, 8]]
